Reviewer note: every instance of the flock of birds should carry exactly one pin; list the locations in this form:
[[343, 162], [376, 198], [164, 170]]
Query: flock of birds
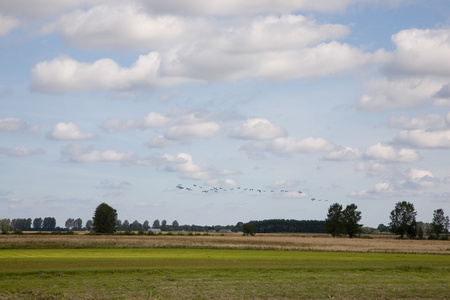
[[196, 187]]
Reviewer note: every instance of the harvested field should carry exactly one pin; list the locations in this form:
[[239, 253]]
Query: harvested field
[[380, 244]]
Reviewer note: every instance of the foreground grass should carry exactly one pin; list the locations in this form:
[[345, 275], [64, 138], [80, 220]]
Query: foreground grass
[[219, 274]]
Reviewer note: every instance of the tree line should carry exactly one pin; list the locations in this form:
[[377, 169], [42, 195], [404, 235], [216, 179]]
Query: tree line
[[341, 221]]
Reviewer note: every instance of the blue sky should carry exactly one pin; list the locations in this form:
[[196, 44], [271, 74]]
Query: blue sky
[[105, 101]]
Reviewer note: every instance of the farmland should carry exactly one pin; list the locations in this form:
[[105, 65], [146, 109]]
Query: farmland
[[221, 267]]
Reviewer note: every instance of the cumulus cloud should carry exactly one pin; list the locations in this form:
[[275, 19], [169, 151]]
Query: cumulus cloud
[[430, 121], [381, 189], [343, 154], [17, 125], [421, 52], [64, 74], [20, 151], [425, 139], [270, 47], [292, 145], [152, 120], [191, 126], [389, 154], [416, 72], [69, 131], [375, 168], [388, 94], [258, 129], [80, 154], [184, 164]]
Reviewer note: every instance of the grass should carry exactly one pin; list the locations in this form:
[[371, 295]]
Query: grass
[[219, 274], [221, 267]]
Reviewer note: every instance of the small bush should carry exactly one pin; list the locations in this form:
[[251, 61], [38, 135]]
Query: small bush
[[18, 231]]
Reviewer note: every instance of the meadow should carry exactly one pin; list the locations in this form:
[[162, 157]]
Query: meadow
[[221, 267]]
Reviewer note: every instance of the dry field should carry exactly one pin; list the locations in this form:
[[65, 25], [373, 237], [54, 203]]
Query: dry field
[[379, 244]]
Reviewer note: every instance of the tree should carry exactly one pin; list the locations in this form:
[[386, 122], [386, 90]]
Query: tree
[[248, 229], [125, 225], [351, 217], [145, 226], [163, 225], [334, 223], [175, 225], [156, 224], [37, 224], [5, 225], [437, 224], [403, 220], [49, 224], [77, 224], [69, 223], [136, 226], [383, 228], [104, 220], [89, 225]]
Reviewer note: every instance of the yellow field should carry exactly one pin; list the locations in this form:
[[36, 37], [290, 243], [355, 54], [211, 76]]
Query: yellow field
[[381, 243]]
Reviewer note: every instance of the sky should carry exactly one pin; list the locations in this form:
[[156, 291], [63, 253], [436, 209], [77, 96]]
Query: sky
[[214, 112]]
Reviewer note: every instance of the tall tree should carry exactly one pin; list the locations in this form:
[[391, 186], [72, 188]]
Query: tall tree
[[49, 224], [175, 225], [403, 220], [37, 224], [104, 220], [77, 224], [136, 226], [334, 223], [89, 225], [69, 223], [145, 226], [438, 223], [156, 224], [163, 225], [351, 218]]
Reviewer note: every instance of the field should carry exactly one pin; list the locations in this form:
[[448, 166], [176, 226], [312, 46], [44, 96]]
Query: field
[[221, 267]]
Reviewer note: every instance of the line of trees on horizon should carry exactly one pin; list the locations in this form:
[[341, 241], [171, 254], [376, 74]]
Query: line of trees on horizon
[[339, 222]]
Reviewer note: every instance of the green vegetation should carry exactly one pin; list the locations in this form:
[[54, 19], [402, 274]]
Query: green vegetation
[[218, 273]]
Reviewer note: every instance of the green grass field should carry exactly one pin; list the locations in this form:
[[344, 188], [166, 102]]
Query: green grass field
[[173, 273]]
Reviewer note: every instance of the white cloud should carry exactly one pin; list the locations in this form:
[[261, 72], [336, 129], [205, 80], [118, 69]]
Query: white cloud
[[430, 121], [258, 129], [381, 189], [17, 125], [7, 24], [387, 94], [344, 153], [389, 154], [422, 178], [292, 145], [115, 185], [421, 52], [190, 126], [20, 151], [374, 168], [121, 26], [184, 164], [161, 141], [65, 74], [152, 120], [79, 154], [425, 139], [69, 131]]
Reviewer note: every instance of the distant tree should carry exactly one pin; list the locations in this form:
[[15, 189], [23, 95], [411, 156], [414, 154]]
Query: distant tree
[[248, 229], [175, 225], [126, 225], [351, 217], [69, 223], [5, 225], [49, 224], [156, 224], [334, 223], [145, 226], [136, 226], [383, 228], [438, 223], [104, 220], [21, 224], [403, 220], [77, 224], [89, 225], [37, 224], [238, 226], [163, 225]]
